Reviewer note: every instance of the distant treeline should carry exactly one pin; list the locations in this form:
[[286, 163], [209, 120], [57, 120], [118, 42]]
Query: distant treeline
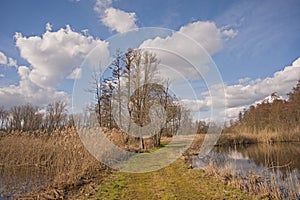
[[275, 115], [30, 118]]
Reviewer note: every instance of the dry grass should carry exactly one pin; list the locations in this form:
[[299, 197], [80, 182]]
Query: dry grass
[[258, 185], [28, 161], [242, 138], [62, 152]]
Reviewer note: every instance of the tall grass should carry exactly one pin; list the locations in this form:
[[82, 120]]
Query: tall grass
[[28, 161], [259, 185], [261, 137]]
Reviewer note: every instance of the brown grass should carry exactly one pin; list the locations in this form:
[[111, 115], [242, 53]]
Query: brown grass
[[263, 136], [60, 160], [242, 138], [257, 185]]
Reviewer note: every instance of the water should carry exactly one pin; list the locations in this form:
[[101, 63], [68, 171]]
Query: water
[[21, 179], [280, 162]]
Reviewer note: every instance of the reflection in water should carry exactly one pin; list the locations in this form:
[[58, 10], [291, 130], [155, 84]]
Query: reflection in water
[[281, 154], [277, 161], [17, 180]]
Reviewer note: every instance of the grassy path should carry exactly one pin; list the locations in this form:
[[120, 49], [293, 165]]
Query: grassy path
[[173, 182]]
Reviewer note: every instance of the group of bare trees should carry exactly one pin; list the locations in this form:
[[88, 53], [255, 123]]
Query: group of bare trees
[[133, 80], [277, 116], [30, 118]]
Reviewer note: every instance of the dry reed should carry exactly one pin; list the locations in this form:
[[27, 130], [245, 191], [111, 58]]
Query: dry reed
[[260, 186], [58, 159]]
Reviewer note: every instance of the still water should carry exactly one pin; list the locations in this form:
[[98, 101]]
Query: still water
[[280, 161], [20, 179]]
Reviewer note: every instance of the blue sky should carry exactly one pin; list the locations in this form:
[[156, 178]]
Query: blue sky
[[259, 39]]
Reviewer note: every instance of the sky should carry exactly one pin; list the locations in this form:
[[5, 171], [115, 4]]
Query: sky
[[254, 45]]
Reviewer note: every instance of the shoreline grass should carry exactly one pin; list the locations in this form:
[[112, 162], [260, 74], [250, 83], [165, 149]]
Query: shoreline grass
[[243, 138], [258, 185]]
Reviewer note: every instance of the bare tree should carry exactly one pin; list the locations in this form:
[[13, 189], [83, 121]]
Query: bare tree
[[133, 80], [97, 90], [3, 118], [56, 115], [16, 118], [117, 70], [30, 117]]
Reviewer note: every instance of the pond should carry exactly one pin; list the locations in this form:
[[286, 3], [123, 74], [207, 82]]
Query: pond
[[279, 162], [20, 179]]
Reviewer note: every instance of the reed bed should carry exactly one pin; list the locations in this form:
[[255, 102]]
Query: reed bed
[[261, 137], [259, 185], [29, 161]]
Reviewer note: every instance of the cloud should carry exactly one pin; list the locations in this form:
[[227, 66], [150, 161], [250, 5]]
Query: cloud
[[244, 80], [187, 51], [2, 75], [281, 82], [118, 20], [76, 74], [205, 33], [248, 92], [115, 19], [29, 92], [48, 27], [54, 55], [195, 105], [4, 60], [101, 5], [230, 33]]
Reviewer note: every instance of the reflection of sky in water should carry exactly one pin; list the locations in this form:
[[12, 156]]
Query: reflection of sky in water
[[239, 162]]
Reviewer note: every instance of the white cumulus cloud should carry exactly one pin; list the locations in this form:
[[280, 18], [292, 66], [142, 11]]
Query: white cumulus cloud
[[119, 20], [54, 55], [28, 92], [205, 33], [248, 92], [4, 60], [188, 50], [281, 82], [115, 19]]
